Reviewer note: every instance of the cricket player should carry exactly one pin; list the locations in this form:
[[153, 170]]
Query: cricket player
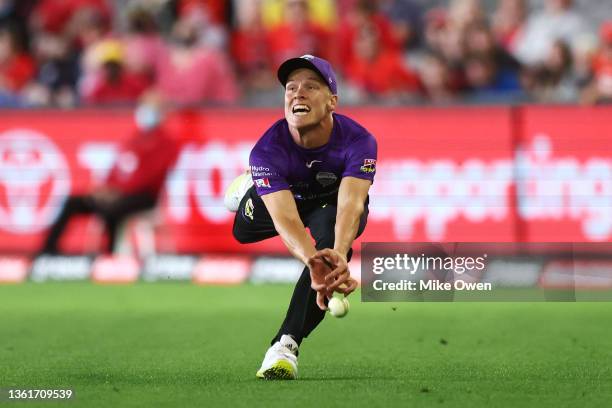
[[313, 169]]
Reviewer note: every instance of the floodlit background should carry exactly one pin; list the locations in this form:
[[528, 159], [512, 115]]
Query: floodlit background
[[484, 112]]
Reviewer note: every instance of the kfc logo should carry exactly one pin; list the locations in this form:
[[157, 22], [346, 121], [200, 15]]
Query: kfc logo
[[34, 181], [369, 166]]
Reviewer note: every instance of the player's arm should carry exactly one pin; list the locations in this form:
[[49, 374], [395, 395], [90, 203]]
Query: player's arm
[[283, 210], [287, 222], [352, 195], [351, 205]]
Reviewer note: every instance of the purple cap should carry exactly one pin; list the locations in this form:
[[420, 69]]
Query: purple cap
[[319, 65]]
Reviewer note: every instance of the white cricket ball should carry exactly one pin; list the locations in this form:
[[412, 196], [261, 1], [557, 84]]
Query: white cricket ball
[[338, 307]]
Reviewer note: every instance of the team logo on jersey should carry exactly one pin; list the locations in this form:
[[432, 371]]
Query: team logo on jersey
[[249, 208], [369, 166], [263, 182], [326, 178]]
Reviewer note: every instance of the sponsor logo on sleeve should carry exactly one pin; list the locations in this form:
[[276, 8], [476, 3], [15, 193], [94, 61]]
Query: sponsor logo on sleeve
[[263, 183], [369, 166], [261, 171]]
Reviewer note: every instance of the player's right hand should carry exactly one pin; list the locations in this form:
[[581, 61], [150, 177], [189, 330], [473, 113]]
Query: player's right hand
[[318, 271], [339, 279], [329, 273]]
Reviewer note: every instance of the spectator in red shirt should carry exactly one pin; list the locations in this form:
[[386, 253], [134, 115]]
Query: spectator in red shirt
[[87, 27], [365, 13], [189, 72], [250, 49], [54, 15], [112, 84], [142, 43], [297, 35], [134, 182], [379, 72], [600, 89], [602, 65], [16, 66], [215, 9], [210, 16], [251, 54]]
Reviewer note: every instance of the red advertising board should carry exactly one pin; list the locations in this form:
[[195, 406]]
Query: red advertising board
[[564, 174], [443, 174]]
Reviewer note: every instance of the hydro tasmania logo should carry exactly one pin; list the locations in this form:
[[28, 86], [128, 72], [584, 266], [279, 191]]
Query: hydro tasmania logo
[[34, 181]]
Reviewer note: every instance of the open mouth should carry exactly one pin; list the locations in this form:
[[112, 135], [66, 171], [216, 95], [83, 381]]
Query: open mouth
[[300, 110]]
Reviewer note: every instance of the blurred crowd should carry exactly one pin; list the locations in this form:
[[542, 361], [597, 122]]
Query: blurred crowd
[[67, 53]]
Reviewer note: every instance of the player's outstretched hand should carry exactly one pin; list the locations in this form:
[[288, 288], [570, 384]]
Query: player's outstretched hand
[[324, 281], [318, 271], [339, 279]]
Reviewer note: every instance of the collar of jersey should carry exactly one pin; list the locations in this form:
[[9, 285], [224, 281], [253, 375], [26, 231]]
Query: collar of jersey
[[316, 149]]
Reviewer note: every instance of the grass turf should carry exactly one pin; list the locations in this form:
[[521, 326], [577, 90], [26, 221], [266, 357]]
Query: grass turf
[[183, 345]]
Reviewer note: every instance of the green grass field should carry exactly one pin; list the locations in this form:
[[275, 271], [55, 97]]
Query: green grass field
[[179, 345]]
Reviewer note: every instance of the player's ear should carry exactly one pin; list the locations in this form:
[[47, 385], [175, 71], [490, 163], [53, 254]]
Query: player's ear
[[333, 103]]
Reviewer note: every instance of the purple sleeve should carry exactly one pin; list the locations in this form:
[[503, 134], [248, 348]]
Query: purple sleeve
[[361, 158], [267, 171]]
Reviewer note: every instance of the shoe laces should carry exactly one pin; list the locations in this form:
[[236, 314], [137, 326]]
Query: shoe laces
[[284, 351]]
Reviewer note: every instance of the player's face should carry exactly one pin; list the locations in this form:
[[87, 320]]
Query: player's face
[[308, 100]]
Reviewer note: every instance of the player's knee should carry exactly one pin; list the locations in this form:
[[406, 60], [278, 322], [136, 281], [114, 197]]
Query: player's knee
[[242, 240], [240, 235]]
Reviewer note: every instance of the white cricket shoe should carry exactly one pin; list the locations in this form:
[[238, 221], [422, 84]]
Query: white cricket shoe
[[280, 361], [236, 190]]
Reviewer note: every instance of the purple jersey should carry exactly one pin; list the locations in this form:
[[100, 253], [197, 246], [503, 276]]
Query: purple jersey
[[278, 163]]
